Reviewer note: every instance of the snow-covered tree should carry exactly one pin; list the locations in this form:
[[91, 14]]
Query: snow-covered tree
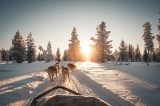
[[123, 55], [137, 54], [158, 38], [157, 54], [74, 50], [65, 55], [58, 55], [49, 52], [39, 56], [102, 45], [11, 54], [131, 53], [4, 54], [19, 48], [44, 54], [31, 51], [148, 39], [7, 58]]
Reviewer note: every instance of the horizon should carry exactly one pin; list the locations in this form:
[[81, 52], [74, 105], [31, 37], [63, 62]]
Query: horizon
[[54, 20]]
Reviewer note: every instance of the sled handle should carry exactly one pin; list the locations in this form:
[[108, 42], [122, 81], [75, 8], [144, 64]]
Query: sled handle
[[34, 101]]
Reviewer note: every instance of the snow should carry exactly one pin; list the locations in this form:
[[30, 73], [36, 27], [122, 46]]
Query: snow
[[134, 84], [137, 83]]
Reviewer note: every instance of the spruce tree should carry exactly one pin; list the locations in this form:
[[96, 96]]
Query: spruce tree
[[131, 53], [123, 51], [4, 54], [19, 48], [148, 39], [31, 51], [65, 55], [137, 54], [7, 56], [145, 55], [158, 39], [11, 54], [74, 50], [39, 57], [102, 45], [49, 52], [58, 55]]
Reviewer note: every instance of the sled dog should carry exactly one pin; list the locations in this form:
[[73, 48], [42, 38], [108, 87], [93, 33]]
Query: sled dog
[[71, 66], [65, 73]]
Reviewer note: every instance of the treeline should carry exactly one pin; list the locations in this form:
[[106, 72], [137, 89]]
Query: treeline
[[129, 53], [21, 50], [25, 50], [100, 50]]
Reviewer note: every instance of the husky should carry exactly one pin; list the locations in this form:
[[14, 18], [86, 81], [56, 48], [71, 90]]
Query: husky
[[52, 70], [65, 73], [58, 66], [71, 66]]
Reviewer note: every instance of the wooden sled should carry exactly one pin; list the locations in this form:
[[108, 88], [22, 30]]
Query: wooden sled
[[67, 100]]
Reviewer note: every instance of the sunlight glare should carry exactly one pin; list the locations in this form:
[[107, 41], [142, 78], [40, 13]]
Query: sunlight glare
[[86, 50]]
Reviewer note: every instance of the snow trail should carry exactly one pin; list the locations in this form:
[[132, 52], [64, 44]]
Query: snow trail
[[117, 85], [102, 93]]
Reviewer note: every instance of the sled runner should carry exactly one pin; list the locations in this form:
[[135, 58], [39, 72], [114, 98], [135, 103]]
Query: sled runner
[[67, 100]]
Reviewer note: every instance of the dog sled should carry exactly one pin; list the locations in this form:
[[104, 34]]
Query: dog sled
[[66, 100]]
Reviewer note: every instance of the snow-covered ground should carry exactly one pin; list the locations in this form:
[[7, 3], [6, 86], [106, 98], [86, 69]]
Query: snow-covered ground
[[136, 83], [119, 85]]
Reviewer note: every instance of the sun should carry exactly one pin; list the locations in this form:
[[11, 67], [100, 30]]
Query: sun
[[85, 50]]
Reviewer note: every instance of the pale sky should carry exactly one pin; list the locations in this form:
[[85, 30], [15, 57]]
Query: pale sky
[[53, 20]]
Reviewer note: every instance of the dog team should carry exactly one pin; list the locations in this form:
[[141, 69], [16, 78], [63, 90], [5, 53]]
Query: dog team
[[55, 70]]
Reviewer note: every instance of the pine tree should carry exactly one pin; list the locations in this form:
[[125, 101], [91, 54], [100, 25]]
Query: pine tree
[[102, 45], [65, 55], [158, 38], [148, 39], [7, 56], [74, 50], [39, 57], [157, 55], [137, 54], [145, 55], [49, 52], [131, 52], [4, 54], [123, 51], [31, 51], [58, 55], [11, 54], [19, 48]]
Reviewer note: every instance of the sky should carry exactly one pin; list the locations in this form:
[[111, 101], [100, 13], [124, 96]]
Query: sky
[[53, 20]]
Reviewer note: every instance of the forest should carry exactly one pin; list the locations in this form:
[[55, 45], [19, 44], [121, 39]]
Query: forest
[[25, 49]]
